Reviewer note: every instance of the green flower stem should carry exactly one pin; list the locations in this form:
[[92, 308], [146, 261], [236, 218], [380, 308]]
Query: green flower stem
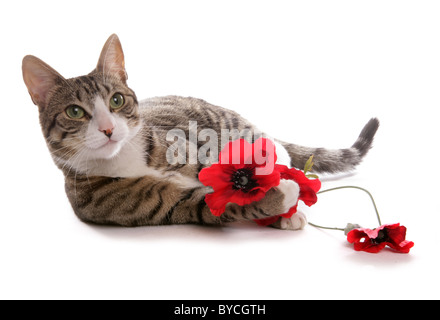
[[349, 187], [328, 228]]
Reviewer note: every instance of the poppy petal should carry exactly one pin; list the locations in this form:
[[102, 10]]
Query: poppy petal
[[244, 198], [369, 246], [217, 201], [217, 176], [267, 182], [291, 212], [235, 152], [267, 221], [264, 153]]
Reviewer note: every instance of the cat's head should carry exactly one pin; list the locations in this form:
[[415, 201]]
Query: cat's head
[[89, 117]]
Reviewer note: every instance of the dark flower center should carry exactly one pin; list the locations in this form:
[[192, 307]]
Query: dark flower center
[[382, 236], [242, 180]]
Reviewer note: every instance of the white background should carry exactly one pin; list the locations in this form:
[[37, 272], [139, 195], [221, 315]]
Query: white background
[[310, 72]]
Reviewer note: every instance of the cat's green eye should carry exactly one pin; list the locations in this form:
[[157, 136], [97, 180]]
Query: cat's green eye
[[117, 101], [75, 112]]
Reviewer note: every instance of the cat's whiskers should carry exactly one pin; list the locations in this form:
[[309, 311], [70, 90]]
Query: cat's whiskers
[[77, 161], [156, 141], [71, 162], [138, 145], [68, 146], [64, 157]]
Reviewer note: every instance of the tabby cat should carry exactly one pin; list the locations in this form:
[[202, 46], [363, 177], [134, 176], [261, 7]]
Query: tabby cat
[[112, 149]]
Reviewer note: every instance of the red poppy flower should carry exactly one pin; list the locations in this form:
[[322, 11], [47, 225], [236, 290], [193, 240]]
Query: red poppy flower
[[243, 175], [307, 192], [373, 241]]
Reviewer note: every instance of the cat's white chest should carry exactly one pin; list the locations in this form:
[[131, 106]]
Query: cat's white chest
[[130, 162]]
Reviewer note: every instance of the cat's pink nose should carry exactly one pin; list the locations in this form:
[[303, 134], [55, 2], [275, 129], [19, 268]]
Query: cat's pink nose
[[107, 132]]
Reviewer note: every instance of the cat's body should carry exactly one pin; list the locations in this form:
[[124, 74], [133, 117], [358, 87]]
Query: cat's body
[[113, 150]]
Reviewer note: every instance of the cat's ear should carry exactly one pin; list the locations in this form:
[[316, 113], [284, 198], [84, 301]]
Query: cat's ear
[[112, 60], [39, 78]]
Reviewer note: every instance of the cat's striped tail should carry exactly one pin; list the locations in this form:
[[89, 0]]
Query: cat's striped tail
[[334, 160]]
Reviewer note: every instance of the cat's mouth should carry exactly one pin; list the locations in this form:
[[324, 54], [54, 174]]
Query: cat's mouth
[[108, 149], [110, 142]]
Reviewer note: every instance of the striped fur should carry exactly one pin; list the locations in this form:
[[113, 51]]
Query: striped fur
[[133, 184], [339, 160], [148, 201]]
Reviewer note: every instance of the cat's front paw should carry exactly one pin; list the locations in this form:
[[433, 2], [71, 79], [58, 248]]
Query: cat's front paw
[[290, 190], [297, 222]]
